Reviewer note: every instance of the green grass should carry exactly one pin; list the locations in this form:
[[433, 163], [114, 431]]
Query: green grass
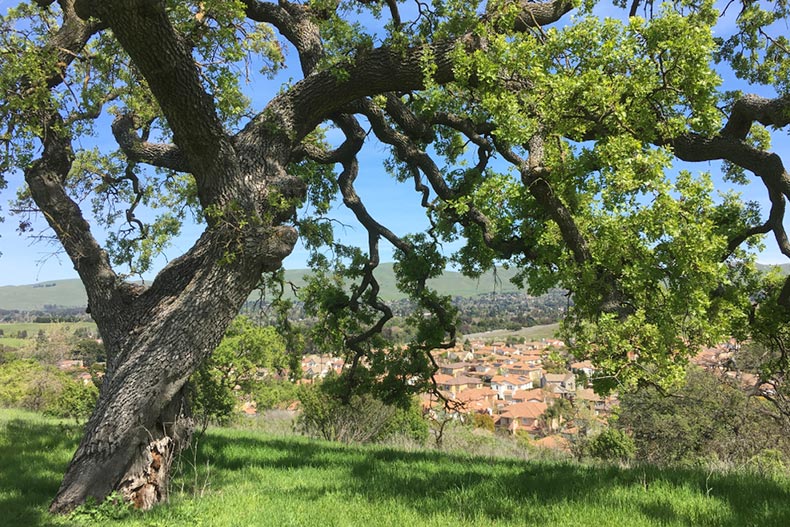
[[245, 478], [12, 329], [530, 333], [64, 293]]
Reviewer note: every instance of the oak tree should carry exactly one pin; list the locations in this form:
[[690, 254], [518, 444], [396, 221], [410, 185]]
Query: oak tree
[[544, 135]]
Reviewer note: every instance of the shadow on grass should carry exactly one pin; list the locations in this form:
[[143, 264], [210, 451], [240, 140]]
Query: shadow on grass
[[34, 454], [530, 492], [33, 458]]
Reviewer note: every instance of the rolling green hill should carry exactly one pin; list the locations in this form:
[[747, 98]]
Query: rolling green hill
[[450, 283], [61, 293], [70, 293]]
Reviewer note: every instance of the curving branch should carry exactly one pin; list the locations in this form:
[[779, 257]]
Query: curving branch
[[296, 22], [753, 108], [530, 14], [409, 152], [730, 144], [45, 178], [372, 72], [160, 155], [368, 289], [164, 58]]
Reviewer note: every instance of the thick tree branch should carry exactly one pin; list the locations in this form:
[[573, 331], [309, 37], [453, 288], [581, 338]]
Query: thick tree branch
[[531, 14], [751, 108], [70, 39], [156, 154], [164, 58], [377, 71], [534, 176], [296, 23], [45, 178]]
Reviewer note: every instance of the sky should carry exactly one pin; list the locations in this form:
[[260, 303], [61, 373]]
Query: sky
[[27, 260]]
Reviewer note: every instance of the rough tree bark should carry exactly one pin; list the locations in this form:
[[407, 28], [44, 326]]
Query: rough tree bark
[[156, 337]]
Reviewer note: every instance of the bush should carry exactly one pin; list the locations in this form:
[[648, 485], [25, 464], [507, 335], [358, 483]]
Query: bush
[[768, 463], [34, 386], [407, 422], [275, 394], [210, 397], [30, 385], [484, 421], [610, 445], [76, 400], [362, 419]]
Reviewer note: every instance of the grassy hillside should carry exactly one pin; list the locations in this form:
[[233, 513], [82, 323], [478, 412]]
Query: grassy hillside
[[450, 283], [70, 293], [62, 293], [245, 478], [531, 333], [785, 268]]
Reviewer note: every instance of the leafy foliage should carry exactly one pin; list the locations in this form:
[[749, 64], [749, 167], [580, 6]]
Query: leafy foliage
[[706, 419], [610, 444], [241, 364], [361, 419], [33, 386]]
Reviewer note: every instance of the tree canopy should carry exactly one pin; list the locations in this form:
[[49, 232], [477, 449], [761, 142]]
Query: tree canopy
[[593, 147]]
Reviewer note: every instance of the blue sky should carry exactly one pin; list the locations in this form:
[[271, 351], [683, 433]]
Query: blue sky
[[25, 260]]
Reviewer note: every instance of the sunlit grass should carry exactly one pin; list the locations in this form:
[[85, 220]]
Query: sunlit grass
[[241, 478], [10, 330]]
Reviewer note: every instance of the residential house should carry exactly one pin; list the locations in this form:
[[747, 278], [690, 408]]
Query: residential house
[[535, 395], [70, 364], [454, 369], [476, 400], [507, 385], [600, 405], [521, 416], [565, 381], [586, 367], [453, 385]]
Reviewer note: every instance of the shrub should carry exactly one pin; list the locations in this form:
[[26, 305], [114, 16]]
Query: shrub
[[768, 463], [76, 400], [275, 394], [210, 397], [610, 445], [362, 419], [408, 422], [484, 421], [30, 385]]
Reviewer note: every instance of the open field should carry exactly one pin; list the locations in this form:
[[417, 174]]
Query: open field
[[11, 330], [530, 333], [247, 478]]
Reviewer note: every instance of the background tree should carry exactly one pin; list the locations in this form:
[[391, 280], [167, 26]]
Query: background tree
[[543, 138], [709, 418], [247, 356]]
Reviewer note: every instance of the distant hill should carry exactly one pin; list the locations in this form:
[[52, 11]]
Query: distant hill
[[70, 293], [784, 267], [450, 283], [60, 293]]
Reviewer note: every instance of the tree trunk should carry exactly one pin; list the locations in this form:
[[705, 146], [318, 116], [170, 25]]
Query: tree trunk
[[155, 340]]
